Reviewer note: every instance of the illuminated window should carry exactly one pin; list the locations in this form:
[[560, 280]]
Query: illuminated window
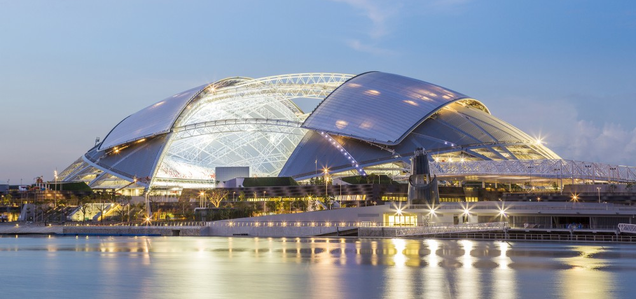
[[472, 199], [400, 220]]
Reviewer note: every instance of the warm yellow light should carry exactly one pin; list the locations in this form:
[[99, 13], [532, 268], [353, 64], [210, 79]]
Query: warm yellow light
[[325, 170], [372, 92], [466, 211], [366, 124], [412, 103], [341, 124]]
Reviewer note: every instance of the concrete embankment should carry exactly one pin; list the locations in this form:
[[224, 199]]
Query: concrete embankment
[[29, 229], [34, 229], [132, 230], [277, 231]]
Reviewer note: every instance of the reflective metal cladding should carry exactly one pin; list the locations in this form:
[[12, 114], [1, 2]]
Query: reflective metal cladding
[[365, 124], [380, 107], [150, 121]]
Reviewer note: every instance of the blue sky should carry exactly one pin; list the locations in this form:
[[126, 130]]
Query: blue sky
[[71, 70]]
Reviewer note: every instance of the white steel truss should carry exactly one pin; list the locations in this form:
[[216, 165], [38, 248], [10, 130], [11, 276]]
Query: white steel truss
[[251, 122], [627, 228], [249, 96], [234, 125], [545, 168]]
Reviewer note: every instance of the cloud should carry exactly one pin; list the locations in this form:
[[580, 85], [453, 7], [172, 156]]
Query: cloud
[[381, 13], [448, 3], [378, 12], [610, 143], [569, 133], [362, 47]]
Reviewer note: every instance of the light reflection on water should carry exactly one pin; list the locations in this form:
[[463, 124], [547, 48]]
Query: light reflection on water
[[203, 267]]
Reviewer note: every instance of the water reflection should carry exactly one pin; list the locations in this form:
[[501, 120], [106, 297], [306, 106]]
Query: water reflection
[[163, 267]]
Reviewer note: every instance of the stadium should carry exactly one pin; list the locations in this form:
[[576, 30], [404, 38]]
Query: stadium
[[367, 124], [304, 141]]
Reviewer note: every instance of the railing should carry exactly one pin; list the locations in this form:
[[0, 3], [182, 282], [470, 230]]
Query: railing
[[153, 224], [627, 228], [449, 229], [547, 168], [296, 224], [510, 206], [539, 237]]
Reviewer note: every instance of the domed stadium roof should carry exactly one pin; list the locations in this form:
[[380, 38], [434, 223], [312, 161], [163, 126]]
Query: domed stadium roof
[[369, 123]]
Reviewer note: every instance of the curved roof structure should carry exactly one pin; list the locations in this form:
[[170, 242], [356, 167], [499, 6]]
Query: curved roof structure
[[381, 108], [370, 123], [150, 121]]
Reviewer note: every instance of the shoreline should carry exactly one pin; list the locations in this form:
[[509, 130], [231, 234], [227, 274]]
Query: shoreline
[[511, 235]]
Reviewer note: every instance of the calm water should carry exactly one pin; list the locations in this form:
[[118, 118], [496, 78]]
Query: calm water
[[207, 267]]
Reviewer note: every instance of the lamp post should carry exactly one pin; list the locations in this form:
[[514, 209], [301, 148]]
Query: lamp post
[[326, 172], [55, 190], [233, 195], [264, 201], [599, 194], [201, 195]]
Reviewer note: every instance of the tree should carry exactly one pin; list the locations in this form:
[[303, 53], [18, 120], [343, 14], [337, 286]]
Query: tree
[[217, 196], [8, 199], [555, 186], [300, 204], [123, 211], [244, 209], [82, 202], [272, 205], [102, 209], [140, 210]]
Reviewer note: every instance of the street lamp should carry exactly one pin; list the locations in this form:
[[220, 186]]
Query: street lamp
[[233, 195], [599, 194], [326, 173], [264, 201], [55, 190], [201, 195]]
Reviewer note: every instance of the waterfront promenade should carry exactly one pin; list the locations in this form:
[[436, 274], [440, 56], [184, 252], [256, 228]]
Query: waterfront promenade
[[189, 229]]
